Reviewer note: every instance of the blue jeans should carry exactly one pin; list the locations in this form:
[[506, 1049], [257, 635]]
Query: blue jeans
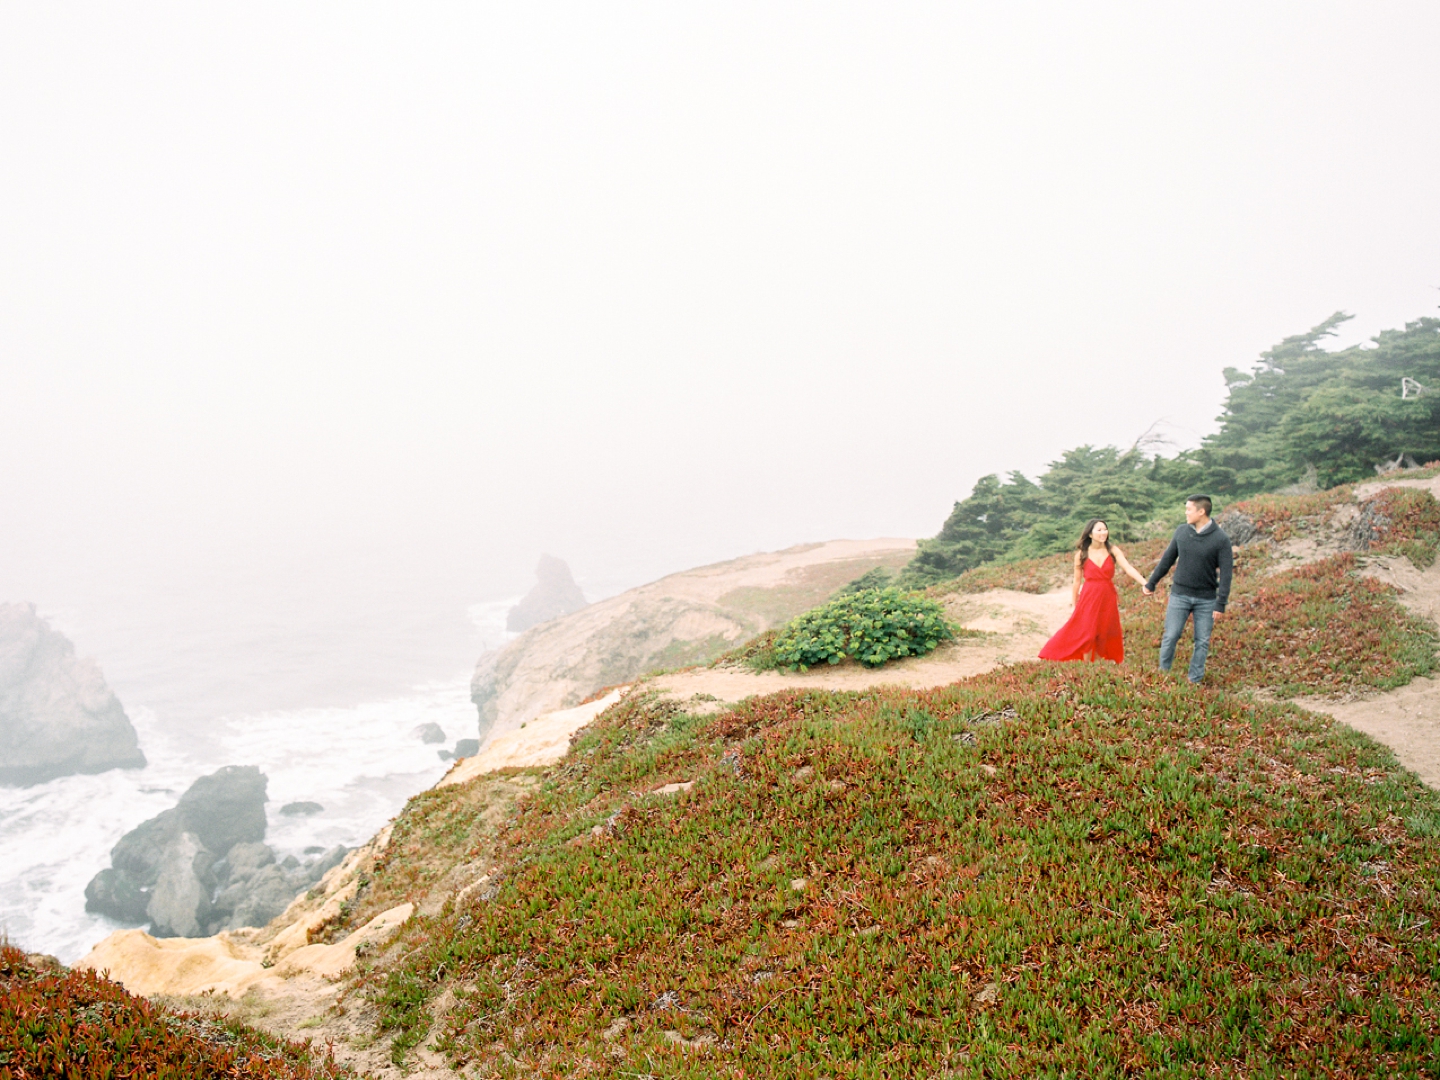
[[1176, 612]]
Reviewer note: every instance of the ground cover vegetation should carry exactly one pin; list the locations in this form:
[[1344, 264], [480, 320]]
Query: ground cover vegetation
[[1301, 415], [436, 833], [1057, 870], [1051, 870], [76, 1025], [1406, 522]]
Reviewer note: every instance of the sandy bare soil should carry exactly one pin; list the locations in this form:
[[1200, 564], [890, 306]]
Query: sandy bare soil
[[1015, 625], [682, 619], [1408, 719], [1374, 487]]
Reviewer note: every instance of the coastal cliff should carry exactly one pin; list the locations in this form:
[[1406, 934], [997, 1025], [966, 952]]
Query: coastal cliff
[[685, 618], [57, 715]]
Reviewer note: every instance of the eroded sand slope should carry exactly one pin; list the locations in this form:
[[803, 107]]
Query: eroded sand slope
[[682, 619]]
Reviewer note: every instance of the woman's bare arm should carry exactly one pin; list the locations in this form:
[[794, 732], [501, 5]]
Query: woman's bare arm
[[1125, 565], [1079, 581]]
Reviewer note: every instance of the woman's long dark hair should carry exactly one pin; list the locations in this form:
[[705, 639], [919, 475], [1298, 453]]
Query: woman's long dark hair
[[1084, 544]]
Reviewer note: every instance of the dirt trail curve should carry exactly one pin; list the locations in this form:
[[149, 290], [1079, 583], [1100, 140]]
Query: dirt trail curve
[[1408, 719], [1016, 624]]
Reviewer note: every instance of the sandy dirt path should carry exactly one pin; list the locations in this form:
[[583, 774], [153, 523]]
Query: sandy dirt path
[[1015, 625], [1408, 719]]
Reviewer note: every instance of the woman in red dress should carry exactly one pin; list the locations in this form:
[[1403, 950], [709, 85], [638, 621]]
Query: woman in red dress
[[1093, 630]]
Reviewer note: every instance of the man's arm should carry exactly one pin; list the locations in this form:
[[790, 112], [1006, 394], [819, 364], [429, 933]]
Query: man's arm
[[1163, 566], [1227, 566]]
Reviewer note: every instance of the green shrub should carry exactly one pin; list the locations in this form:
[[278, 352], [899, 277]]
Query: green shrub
[[877, 577], [871, 626]]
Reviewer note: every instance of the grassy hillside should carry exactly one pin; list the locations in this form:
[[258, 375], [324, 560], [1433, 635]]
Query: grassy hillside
[[1062, 870], [1050, 870], [1322, 628], [1076, 870]]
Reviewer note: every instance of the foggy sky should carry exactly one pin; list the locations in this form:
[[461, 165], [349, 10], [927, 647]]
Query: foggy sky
[[358, 305]]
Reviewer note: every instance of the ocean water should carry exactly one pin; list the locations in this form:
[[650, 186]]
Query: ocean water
[[360, 761]]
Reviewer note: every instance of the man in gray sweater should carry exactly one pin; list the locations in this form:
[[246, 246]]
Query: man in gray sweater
[[1202, 582]]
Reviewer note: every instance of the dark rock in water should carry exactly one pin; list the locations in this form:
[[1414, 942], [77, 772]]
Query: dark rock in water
[[180, 901], [226, 807], [140, 852], [260, 898], [467, 748], [430, 733], [314, 849], [116, 894], [202, 866], [444, 755], [321, 866], [554, 594], [57, 715], [245, 859], [301, 809], [261, 888], [176, 860]]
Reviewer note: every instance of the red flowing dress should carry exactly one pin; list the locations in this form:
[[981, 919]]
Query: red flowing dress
[[1095, 624]]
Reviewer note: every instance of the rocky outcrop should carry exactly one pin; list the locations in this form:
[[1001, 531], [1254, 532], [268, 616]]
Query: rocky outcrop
[[281, 961], [202, 866], [1239, 527], [430, 733], [57, 715], [682, 619], [301, 809], [555, 594]]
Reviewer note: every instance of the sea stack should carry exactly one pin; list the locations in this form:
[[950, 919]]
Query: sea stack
[[555, 594], [57, 715]]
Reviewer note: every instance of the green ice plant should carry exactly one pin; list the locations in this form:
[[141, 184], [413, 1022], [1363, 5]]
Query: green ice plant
[[871, 626]]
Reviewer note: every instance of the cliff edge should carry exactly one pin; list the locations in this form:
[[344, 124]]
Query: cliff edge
[[685, 618]]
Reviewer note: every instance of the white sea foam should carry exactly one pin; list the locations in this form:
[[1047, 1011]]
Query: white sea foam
[[361, 763], [55, 836]]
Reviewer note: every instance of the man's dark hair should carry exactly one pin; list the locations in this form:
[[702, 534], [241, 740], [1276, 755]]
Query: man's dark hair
[[1202, 501]]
